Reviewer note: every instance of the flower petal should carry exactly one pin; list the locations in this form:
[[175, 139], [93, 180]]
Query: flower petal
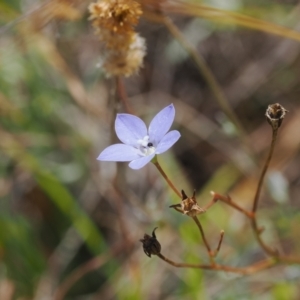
[[119, 152], [141, 162], [130, 129], [168, 141], [161, 124]]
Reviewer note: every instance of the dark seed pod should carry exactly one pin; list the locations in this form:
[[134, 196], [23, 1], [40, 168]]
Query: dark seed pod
[[151, 244]]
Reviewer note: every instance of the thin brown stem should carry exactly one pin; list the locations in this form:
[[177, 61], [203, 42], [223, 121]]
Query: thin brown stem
[[210, 204], [220, 243], [264, 170], [210, 253], [171, 185], [123, 95], [256, 229], [264, 264], [265, 247], [228, 201], [289, 259], [251, 215], [177, 207]]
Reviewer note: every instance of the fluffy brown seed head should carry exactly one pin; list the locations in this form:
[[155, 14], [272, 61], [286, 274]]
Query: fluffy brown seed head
[[119, 16], [114, 22], [126, 62]]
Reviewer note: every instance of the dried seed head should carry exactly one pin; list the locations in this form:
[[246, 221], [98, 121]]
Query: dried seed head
[[190, 206], [275, 114], [116, 42], [119, 16], [151, 244], [114, 22], [126, 62]]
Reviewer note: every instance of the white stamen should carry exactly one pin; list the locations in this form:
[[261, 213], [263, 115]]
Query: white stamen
[[144, 142], [145, 146]]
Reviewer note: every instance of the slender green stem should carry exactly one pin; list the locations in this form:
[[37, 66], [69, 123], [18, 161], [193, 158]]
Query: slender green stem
[[171, 185]]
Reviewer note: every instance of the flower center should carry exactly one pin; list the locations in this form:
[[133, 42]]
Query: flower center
[[145, 146]]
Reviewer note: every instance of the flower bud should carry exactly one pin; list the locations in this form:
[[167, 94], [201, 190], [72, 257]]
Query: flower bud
[[275, 114], [151, 244]]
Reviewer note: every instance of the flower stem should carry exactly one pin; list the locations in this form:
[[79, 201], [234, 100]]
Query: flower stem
[[264, 170], [256, 230], [171, 185], [210, 253]]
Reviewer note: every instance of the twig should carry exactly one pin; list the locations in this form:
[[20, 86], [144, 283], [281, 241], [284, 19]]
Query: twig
[[210, 204], [275, 114], [264, 264], [123, 95], [220, 243], [177, 207], [227, 200], [264, 170], [256, 230], [289, 259], [210, 253]]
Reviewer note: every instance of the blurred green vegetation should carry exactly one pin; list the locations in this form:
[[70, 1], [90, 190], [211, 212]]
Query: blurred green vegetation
[[70, 225]]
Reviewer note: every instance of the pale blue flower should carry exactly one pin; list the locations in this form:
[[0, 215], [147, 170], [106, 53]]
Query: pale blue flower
[[139, 144]]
